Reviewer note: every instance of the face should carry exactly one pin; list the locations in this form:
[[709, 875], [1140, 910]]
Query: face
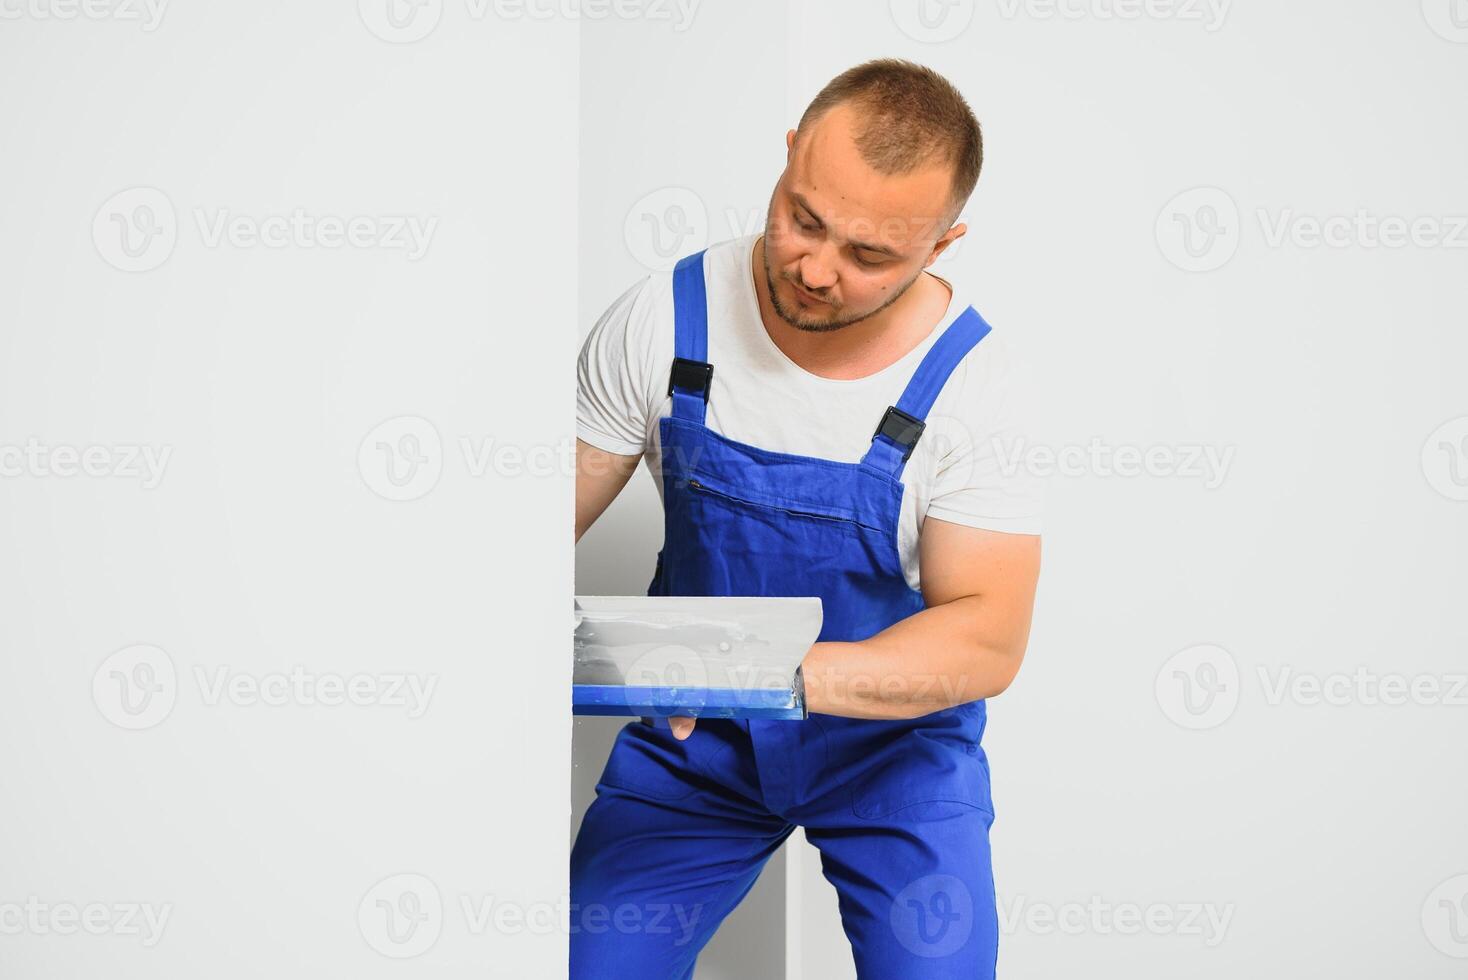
[[842, 241]]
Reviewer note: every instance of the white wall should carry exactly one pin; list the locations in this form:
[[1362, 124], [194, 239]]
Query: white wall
[[268, 834], [1333, 540]]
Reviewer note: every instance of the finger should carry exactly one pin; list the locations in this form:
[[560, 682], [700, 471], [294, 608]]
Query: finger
[[682, 727]]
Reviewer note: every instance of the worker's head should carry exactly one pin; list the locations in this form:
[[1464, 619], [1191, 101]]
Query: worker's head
[[883, 160]]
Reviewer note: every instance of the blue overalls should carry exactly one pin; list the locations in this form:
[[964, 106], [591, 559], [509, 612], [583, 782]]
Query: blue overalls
[[900, 810]]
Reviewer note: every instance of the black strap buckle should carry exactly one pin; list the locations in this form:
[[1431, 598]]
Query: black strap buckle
[[901, 428], [691, 375]]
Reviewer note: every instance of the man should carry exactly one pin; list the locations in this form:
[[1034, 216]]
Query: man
[[753, 377]]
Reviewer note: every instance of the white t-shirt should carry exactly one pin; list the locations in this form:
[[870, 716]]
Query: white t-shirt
[[965, 468]]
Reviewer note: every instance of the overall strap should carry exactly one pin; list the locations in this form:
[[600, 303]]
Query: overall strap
[[692, 374], [902, 424]]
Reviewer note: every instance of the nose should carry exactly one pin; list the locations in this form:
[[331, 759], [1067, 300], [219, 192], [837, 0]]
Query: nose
[[817, 269]]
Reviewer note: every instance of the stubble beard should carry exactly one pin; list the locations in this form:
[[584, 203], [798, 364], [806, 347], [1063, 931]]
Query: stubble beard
[[836, 321]]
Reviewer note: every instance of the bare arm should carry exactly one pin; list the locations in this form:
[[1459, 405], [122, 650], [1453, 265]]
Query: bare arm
[[967, 644], [600, 476]]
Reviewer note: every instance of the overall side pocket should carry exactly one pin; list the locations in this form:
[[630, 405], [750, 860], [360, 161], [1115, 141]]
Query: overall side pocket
[[920, 770]]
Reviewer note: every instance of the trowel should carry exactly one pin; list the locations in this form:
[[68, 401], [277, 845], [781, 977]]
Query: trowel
[[692, 656]]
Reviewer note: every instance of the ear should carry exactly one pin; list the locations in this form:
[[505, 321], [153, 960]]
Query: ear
[[949, 237], [789, 143]]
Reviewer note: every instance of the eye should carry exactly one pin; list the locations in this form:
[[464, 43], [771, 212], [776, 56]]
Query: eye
[[799, 221], [862, 261]]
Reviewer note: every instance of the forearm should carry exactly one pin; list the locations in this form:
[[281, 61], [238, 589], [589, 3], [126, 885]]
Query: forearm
[[936, 658]]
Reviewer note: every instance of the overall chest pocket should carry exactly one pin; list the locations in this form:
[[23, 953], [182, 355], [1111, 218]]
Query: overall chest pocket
[[750, 504], [731, 541]]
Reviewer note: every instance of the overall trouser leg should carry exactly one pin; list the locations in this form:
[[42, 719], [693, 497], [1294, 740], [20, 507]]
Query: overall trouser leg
[[916, 891], [674, 840]]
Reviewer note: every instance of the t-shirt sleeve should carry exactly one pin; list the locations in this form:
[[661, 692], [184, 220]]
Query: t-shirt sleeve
[[982, 480], [611, 377]]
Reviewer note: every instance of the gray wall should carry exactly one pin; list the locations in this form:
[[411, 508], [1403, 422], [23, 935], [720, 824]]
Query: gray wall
[[681, 143]]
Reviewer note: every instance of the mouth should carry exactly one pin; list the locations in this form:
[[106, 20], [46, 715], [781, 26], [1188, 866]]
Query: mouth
[[807, 298]]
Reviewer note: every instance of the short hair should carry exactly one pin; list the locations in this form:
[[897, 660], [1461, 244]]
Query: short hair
[[909, 116]]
